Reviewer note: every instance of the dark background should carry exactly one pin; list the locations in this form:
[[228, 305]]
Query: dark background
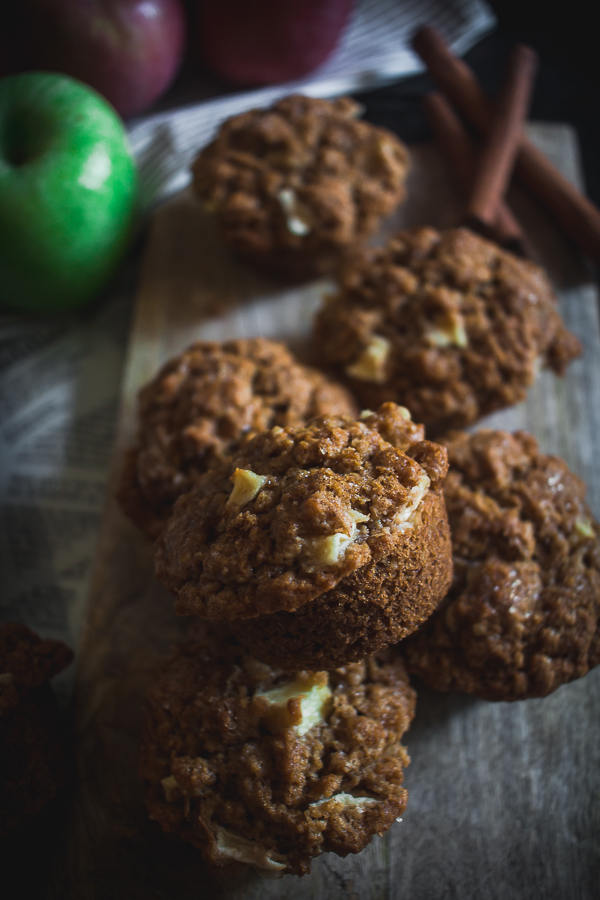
[[567, 86]]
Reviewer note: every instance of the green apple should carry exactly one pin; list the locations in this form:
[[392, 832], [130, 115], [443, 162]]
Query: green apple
[[67, 192]]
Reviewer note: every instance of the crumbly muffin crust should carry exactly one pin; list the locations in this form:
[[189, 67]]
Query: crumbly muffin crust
[[34, 766], [446, 323], [522, 615], [253, 767], [296, 185], [334, 512], [26, 662], [198, 408]]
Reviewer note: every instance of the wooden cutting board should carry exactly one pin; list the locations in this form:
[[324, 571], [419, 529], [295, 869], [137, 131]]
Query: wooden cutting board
[[504, 798]]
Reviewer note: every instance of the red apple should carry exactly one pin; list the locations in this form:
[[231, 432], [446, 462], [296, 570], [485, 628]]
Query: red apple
[[268, 41], [128, 50]]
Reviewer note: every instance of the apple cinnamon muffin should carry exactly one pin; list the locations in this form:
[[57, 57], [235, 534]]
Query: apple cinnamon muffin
[[296, 186], [319, 544], [521, 617], [261, 769], [198, 408], [34, 766], [446, 323]]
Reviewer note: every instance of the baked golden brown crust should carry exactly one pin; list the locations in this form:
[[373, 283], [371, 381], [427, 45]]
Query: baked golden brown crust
[[522, 615], [335, 513], [33, 758], [297, 185], [374, 606], [274, 784], [446, 323], [199, 407]]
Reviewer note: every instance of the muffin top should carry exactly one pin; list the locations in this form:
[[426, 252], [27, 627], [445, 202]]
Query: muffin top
[[301, 175], [201, 404], [446, 323], [295, 512], [270, 770], [521, 617]]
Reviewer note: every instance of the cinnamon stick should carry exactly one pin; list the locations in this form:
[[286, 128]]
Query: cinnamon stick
[[573, 212], [502, 141], [461, 156]]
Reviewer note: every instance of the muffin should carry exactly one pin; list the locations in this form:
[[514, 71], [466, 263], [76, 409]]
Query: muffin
[[201, 404], [34, 764], [296, 186], [261, 769], [319, 544], [521, 617], [446, 323]]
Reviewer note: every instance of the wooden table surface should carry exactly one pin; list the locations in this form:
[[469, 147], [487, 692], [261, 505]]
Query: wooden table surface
[[504, 798]]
